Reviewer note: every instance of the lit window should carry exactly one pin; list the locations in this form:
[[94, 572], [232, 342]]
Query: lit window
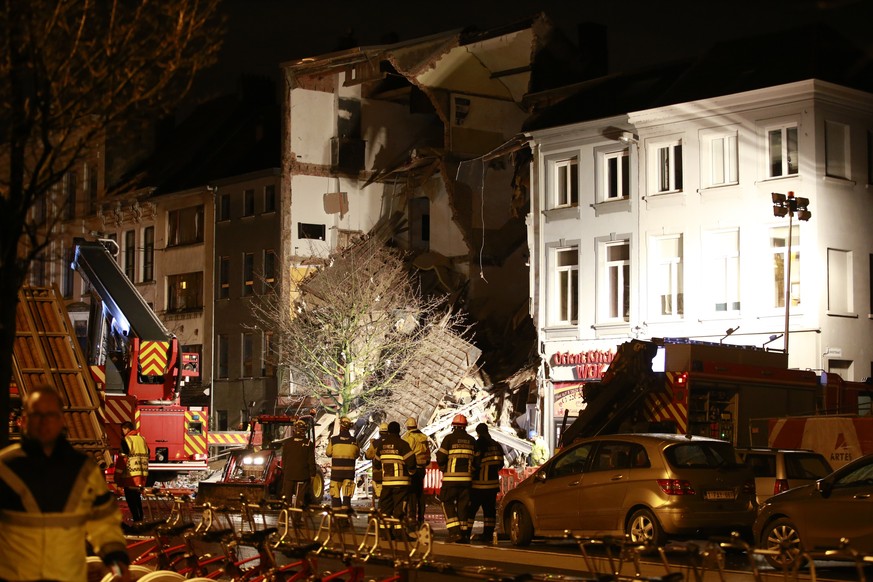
[[779, 250], [782, 151], [185, 226], [566, 309], [667, 275], [668, 166], [566, 174], [185, 292], [840, 281], [723, 267], [615, 305]]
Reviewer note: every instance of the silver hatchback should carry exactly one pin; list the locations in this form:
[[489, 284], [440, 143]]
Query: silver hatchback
[[648, 486]]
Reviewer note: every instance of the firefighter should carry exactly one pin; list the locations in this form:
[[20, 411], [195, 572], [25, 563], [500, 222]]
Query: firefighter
[[135, 462], [456, 458], [343, 451], [486, 482], [420, 446], [376, 467], [298, 465], [398, 463]]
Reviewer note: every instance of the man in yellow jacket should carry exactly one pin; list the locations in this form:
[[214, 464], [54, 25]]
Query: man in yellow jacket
[[420, 446], [53, 498], [135, 455]]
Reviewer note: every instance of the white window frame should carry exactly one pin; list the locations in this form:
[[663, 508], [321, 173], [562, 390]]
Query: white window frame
[[787, 165], [667, 278], [837, 149], [719, 158], [840, 282], [607, 177], [565, 295], [778, 253], [723, 266], [614, 296], [565, 185], [666, 166]]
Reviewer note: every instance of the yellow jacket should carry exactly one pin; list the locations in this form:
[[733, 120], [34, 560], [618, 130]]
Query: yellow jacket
[[49, 506]]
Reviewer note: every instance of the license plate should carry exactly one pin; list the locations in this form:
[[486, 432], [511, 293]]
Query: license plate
[[718, 495]]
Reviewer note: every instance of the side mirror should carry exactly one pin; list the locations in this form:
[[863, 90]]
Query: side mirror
[[540, 476], [824, 487]]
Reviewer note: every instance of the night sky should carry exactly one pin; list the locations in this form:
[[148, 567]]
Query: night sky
[[264, 33]]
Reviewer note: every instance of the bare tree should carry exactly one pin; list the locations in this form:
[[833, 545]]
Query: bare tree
[[71, 72], [350, 335]]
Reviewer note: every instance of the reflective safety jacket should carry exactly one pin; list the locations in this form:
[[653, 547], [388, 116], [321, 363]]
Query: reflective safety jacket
[[49, 506], [136, 456], [420, 446], [371, 455], [398, 462], [456, 457], [489, 453], [343, 451]]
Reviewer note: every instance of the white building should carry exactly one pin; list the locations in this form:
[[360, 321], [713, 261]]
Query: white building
[[660, 223]]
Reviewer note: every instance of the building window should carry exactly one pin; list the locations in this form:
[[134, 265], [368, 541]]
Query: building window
[[224, 207], [566, 297], [223, 277], [269, 269], [248, 202], [222, 359], [616, 266], [836, 149], [313, 231], [720, 158], [667, 275], [779, 249], [840, 281], [566, 173], [247, 355], [185, 226], [148, 255], [130, 255], [68, 189], [269, 354], [419, 223], [185, 292], [668, 166], [270, 198], [248, 274], [616, 175], [782, 151], [723, 266], [67, 274]]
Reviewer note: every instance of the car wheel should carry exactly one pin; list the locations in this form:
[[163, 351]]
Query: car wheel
[[782, 538], [520, 525], [643, 528]]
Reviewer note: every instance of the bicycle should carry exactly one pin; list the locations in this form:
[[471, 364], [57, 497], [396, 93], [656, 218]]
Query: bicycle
[[162, 549]]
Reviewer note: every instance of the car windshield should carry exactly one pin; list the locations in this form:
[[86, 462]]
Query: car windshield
[[701, 455]]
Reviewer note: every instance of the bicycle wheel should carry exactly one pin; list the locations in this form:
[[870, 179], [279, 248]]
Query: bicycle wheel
[[162, 576], [136, 573]]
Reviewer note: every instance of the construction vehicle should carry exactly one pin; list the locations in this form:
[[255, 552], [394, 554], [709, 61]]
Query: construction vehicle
[[254, 472], [842, 430], [140, 367], [691, 387]]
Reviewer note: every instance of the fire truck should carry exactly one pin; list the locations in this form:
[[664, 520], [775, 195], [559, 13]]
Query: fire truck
[[139, 366], [692, 387]]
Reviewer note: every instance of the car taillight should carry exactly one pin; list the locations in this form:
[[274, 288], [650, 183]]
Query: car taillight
[[676, 487], [780, 485]]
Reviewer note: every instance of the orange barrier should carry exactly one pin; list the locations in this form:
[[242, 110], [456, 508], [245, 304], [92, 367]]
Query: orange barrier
[[433, 479], [510, 478]]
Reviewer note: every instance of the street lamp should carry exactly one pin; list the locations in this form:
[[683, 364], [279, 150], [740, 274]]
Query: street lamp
[[789, 205]]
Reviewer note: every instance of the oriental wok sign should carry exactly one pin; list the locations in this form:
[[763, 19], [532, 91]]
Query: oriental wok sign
[[585, 365]]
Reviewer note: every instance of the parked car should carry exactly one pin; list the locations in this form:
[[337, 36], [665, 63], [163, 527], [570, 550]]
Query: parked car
[[648, 486], [815, 517], [778, 470]]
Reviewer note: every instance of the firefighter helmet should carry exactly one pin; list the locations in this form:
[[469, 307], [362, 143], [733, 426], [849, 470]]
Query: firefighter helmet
[[383, 427], [346, 422], [301, 424], [411, 423], [459, 420]]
